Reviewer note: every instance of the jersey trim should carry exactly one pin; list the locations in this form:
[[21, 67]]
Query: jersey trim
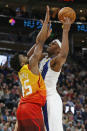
[[44, 108]]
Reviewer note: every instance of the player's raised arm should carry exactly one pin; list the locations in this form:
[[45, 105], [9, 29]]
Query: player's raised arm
[[61, 56], [65, 41], [30, 52], [43, 34]]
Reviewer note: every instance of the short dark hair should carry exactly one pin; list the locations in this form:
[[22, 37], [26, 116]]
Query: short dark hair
[[15, 63]]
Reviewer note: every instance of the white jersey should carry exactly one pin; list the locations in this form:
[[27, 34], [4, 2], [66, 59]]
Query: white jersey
[[54, 103], [50, 78]]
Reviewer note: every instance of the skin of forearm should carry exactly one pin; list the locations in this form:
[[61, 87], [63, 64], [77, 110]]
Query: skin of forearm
[[42, 36], [30, 52], [65, 43]]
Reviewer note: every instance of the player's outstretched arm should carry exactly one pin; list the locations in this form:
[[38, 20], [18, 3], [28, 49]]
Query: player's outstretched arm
[[30, 52], [62, 55], [65, 40], [43, 34]]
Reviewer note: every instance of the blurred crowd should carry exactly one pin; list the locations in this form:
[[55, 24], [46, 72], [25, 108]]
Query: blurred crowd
[[9, 98], [72, 86]]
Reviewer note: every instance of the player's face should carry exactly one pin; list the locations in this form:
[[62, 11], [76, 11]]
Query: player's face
[[23, 59], [53, 47]]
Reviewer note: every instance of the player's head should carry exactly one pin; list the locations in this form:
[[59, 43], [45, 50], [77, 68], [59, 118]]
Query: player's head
[[18, 60], [54, 47]]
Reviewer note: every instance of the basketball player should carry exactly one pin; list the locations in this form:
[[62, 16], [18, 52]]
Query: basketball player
[[29, 113], [50, 68]]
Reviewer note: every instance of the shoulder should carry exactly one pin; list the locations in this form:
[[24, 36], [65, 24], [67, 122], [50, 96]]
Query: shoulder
[[24, 69]]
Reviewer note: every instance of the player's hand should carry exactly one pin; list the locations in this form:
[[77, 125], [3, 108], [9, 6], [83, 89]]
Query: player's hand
[[44, 33], [66, 23], [47, 17], [49, 29]]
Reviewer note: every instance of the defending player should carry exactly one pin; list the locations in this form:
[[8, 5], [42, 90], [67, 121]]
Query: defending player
[[29, 113]]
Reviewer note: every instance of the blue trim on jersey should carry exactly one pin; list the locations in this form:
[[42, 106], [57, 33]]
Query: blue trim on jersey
[[44, 108], [45, 69]]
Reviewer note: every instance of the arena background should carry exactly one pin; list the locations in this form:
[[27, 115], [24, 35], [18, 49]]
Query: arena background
[[19, 25]]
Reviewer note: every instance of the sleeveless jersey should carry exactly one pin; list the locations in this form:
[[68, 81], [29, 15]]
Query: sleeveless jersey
[[50, 77], [52, 110], [33, 86]]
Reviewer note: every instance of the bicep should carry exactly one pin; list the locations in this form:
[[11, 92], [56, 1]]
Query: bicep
[[57, 62], [61, 59]]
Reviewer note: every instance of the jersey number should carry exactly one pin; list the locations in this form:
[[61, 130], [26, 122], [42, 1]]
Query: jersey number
[[27, 89]]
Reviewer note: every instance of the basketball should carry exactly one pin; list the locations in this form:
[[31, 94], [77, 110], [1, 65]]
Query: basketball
[[67, 12]]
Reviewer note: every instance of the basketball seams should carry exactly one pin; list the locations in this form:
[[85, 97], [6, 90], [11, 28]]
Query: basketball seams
[[67, 12]]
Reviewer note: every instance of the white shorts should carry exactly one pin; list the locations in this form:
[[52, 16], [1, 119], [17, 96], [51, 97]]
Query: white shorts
[[54, 111]]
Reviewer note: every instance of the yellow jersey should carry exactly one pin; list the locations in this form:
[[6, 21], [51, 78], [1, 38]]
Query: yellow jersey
[[33, 86]]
